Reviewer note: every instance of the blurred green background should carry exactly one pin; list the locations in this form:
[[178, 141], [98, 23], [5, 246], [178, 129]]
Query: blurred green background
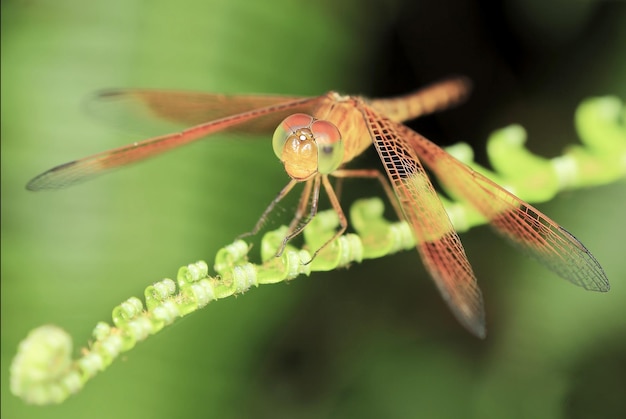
[[372, 341]]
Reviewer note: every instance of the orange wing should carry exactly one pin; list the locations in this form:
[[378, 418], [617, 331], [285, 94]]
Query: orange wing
[[262, 119], [523, 225], [139, 109], [438, 244]]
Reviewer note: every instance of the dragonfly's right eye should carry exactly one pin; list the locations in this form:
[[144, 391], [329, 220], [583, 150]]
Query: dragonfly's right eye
[[294, 144], [290, 126]]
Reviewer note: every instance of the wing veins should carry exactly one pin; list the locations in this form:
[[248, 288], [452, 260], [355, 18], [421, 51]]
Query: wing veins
[[438, 244], [79, 170], [519, 222]]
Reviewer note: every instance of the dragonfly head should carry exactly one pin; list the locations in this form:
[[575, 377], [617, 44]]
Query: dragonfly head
[[307, 146]]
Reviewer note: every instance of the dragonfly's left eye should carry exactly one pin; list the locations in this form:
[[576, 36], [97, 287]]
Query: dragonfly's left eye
[[329, 146]]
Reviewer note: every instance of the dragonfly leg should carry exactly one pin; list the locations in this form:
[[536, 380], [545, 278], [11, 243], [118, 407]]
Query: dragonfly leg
[[373, 174], [338, 187], [296, 226], [270, 207], [302, 206], [343, 221]]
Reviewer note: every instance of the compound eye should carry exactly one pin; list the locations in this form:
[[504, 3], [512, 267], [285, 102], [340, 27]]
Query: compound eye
[[329, 146], [289, 127]]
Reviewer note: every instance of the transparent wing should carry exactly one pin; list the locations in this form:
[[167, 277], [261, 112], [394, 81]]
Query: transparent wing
[[266, 118], [523, 225], [437, 242], [148, 110]]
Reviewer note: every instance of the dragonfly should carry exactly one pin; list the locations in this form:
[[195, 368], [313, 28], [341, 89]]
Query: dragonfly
[[315, 137]]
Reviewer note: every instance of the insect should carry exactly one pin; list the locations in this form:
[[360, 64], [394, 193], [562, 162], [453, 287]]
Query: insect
[[319, 135]]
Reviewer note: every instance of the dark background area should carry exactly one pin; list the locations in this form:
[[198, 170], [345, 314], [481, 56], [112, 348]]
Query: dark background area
[[375, 340]]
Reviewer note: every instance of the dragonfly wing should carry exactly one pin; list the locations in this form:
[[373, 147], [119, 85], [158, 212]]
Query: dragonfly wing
[[147, 110], [523, 225], [437, 242], [79, 170]]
